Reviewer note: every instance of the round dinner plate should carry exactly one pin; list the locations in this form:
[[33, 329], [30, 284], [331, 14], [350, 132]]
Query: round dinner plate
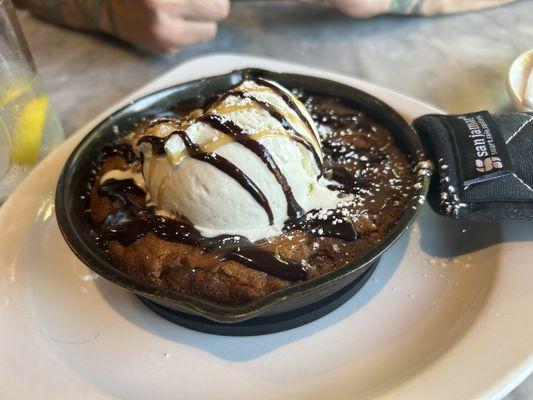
[[448, 313]]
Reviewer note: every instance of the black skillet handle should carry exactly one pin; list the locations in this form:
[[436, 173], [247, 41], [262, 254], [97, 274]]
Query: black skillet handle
[[484, 165]]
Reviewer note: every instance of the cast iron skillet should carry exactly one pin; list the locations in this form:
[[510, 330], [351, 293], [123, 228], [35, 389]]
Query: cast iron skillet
[[76, 174]]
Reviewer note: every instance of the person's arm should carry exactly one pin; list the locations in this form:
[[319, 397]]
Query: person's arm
[[154, 25], [370, 8]]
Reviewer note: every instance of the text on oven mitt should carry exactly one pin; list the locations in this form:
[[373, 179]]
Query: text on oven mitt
[[484, 165]]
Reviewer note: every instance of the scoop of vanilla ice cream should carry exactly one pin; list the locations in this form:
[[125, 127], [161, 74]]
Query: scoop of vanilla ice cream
[[215, 201]]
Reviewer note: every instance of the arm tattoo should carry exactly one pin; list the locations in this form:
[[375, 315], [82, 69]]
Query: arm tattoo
[[55, 8], [111, 17], [91, 10], [88, 14], [405, 6]]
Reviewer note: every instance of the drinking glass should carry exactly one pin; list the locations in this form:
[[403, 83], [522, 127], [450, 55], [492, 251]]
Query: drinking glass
[[29, 129]]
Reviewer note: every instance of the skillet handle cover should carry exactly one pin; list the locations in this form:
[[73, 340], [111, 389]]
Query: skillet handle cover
[[484, 165]]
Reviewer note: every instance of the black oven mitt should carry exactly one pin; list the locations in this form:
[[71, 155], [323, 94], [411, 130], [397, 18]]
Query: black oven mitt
[[484, 165]]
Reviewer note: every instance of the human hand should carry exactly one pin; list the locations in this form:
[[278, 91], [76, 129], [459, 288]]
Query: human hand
[[370, 8], [362, 8], [158, 26], [164, 26]]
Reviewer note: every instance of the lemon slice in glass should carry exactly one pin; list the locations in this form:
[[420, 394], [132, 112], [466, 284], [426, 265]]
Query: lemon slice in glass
[[29, 129], [17, 88]]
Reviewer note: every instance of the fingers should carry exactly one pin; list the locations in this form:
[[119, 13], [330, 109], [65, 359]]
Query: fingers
[[361, 8], [194, 10], [181, 23], [164, 26], [177, 33], [207, 10]]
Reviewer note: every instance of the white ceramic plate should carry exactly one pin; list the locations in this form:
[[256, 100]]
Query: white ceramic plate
[[447, 315]]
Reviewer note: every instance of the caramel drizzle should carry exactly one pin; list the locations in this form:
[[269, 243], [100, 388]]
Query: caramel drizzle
[[274, 112], [232, 131], [290, 101], [239, 135], [162, 120], [216, 160], [135, 219]]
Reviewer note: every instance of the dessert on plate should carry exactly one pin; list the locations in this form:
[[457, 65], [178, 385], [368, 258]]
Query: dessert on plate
[[259, 189]]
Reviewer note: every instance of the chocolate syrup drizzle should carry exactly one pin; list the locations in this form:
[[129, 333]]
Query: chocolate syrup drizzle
[[131, 222], [217, 161], [120, 190], [134, 219], [288, 99], [236, 132], [295, 135], [331, 226], [157, 143], [121, 150], [268, 262], [294, 210], [230, 169]]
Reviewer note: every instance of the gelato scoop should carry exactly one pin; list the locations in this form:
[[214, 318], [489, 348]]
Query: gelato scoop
[[244, 165]]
